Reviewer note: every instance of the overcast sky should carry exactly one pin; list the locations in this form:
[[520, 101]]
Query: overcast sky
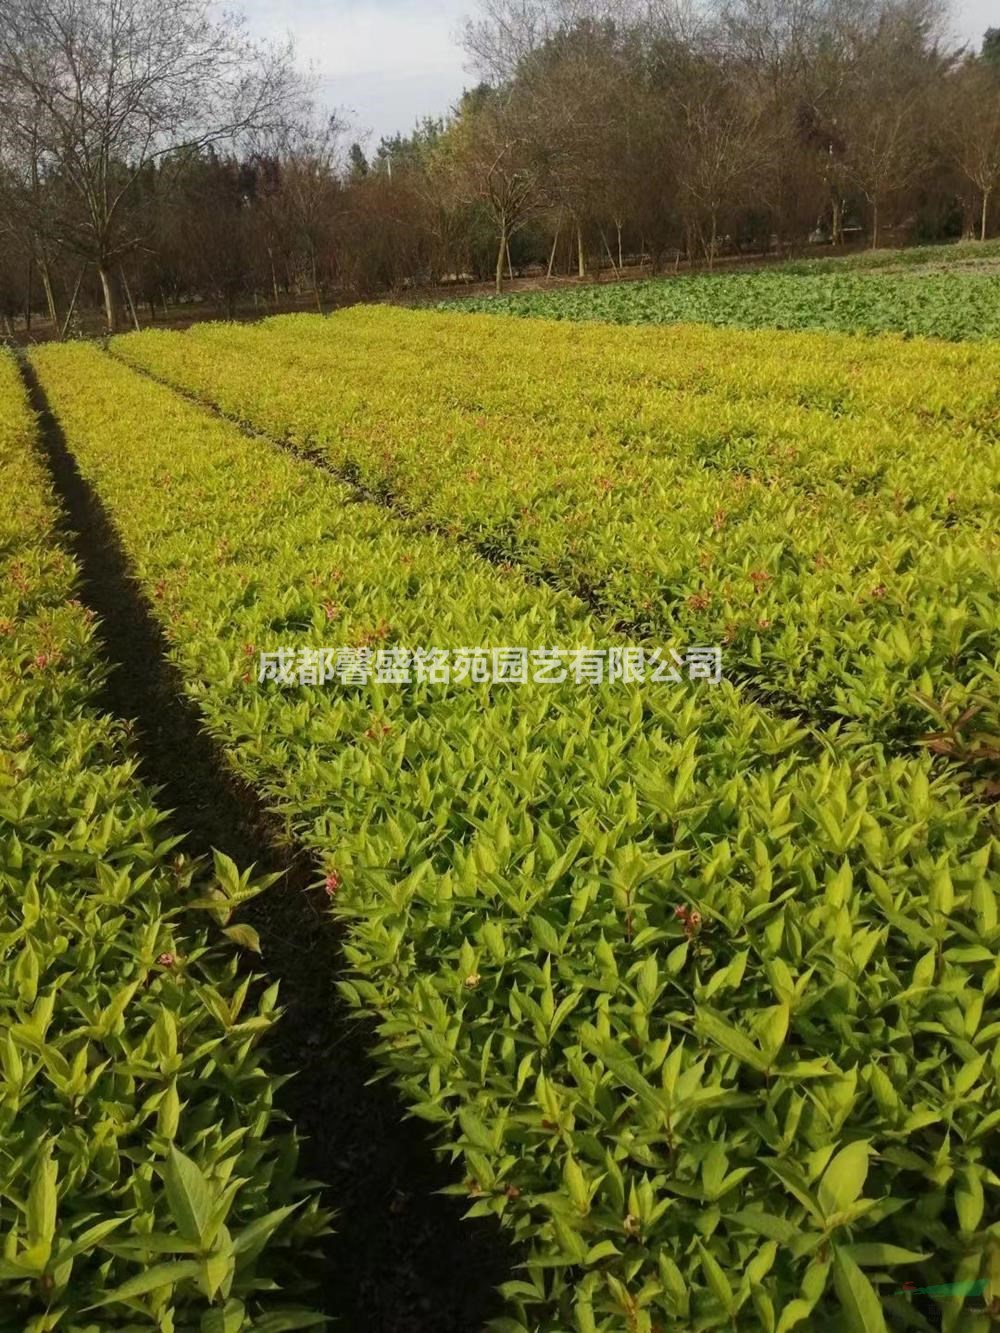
[[393, 61]]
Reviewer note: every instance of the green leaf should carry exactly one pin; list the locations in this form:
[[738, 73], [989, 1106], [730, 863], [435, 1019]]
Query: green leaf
[[731, 1040], [231, 1319], [766, 1224], [161, 1275], [844, 1179], [188, 1195], [89, 1239], [217, 1269], [576, 1184], [42, 1200], [624, 1068], [604, 1249], [969, 1200], [795, 1182], [874, 1254], [243, 935], [717, 1280], [674, 1286], [862, 1308], [226, 873], [257, 1233], [475, 1131]]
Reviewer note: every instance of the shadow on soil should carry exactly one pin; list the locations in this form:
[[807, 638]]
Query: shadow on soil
[[402, 1259]]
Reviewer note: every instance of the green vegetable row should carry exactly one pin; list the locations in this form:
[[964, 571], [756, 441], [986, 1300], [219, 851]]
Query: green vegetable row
[[951, 305], [707, 1013], [847, 564], [942, 256], [146, 1180]]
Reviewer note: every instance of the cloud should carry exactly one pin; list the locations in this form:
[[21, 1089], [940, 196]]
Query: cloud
[[973, 17], [390, 61]]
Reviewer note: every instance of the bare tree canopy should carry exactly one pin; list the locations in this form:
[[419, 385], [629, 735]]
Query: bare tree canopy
[[152, 153], [92, 94]]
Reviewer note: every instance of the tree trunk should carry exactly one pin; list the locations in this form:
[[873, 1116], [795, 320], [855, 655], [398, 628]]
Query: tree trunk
[[619, 226], [580, 266], [837, 222], [315, 278], [72, 305], [982, 225], [128, 298], [110, 302], [552, 252], [875, 224], [510, 267], [614, 267], [27, 296], [50, 300], [501, 251]]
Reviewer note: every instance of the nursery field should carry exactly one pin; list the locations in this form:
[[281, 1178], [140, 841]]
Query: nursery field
[[948, 301], [693, 983], [826, 514]]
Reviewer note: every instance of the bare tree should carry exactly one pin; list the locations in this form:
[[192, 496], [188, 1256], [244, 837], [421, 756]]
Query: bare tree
[[113, 86], [973, 131], [496, 162], [720, 151], [307, 154], [884, 153]]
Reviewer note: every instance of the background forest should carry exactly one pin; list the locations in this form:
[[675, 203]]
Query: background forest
[[153, 156]]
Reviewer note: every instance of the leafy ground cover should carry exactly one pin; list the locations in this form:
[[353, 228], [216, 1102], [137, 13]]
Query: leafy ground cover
[[952, 305], [956, 254], [145, 1181], [834, 527], [705, 1005]]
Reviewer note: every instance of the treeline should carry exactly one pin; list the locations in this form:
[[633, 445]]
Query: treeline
[[152, 155]]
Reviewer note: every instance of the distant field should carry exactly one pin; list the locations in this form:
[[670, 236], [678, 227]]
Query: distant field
[[937, 292], [980, 256], [697, 484]]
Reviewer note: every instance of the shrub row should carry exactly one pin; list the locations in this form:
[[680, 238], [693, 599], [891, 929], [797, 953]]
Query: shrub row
[[708, 1013], [848, 566], [145, 1178]]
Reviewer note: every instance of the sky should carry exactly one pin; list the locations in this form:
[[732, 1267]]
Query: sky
[[388, 62], [391, 62]]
